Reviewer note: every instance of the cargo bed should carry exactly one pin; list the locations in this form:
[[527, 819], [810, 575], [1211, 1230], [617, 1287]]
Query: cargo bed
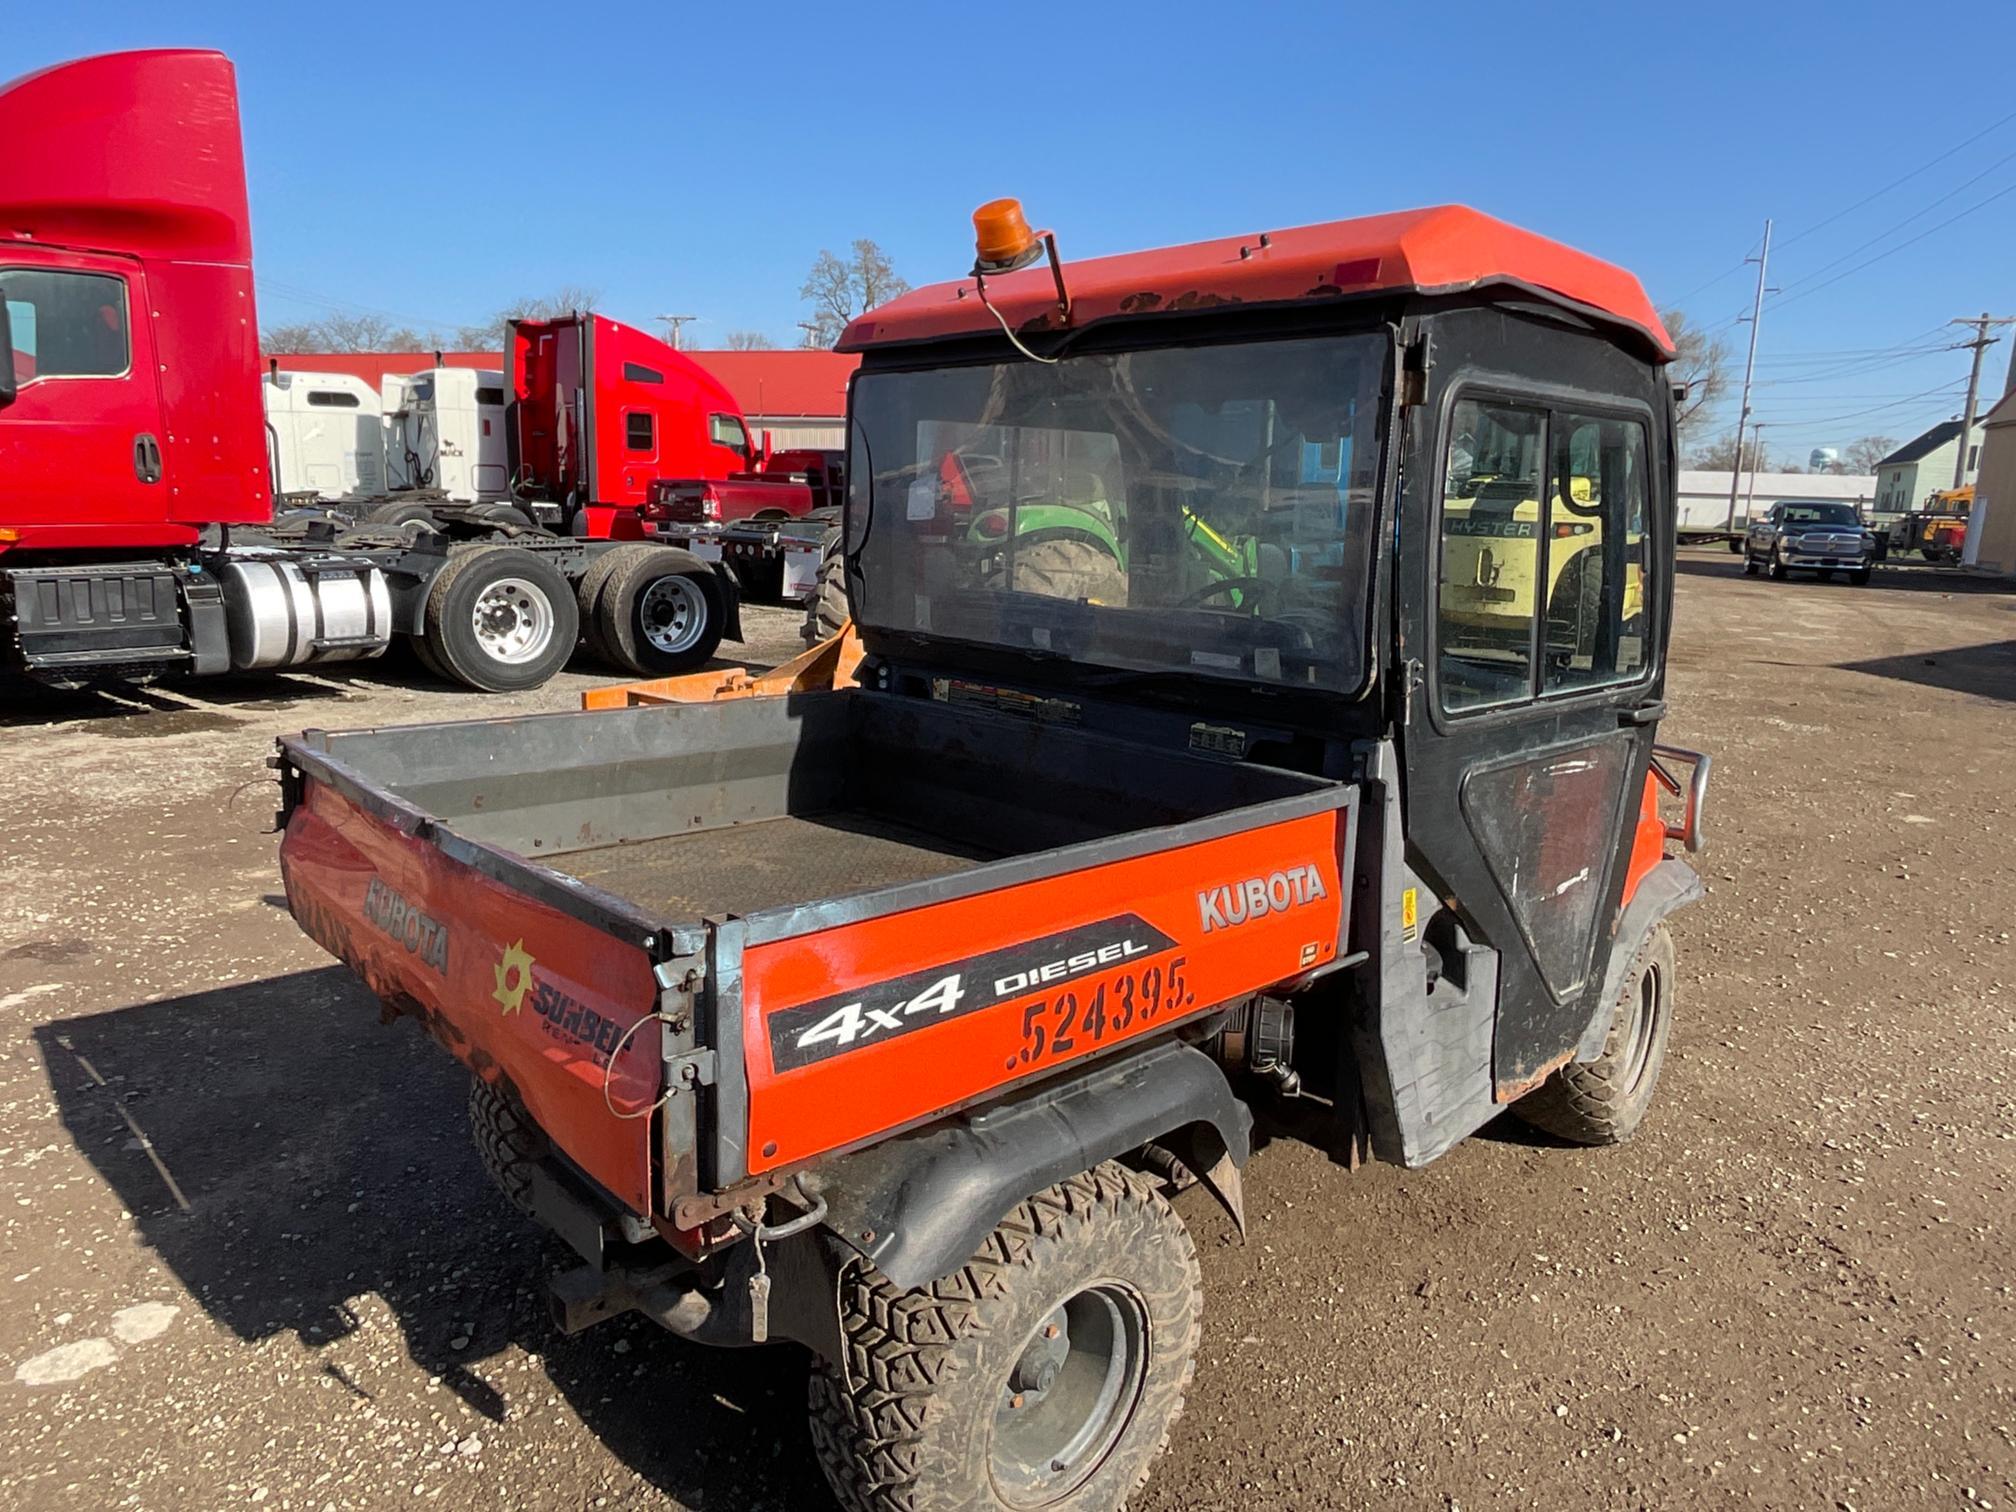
[[786, 882]]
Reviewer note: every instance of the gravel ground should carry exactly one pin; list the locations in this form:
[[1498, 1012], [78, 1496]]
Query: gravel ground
[[247, 1255]]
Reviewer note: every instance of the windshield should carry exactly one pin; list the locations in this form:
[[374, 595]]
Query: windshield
[[1819, 514], [1204, 510]]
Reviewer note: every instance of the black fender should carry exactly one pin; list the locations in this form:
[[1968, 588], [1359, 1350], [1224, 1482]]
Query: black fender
[[1670, 885], [920, 1204]]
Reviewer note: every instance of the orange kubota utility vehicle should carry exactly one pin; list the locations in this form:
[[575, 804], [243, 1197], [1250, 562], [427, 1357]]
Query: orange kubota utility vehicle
[[1178, 781]]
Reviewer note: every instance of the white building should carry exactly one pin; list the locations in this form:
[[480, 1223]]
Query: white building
[[1923, 466], [1704, 495]]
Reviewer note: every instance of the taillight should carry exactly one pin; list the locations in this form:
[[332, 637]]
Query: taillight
[[710, 506]]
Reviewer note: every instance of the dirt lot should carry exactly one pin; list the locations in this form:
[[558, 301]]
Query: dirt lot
[[248, 1255]]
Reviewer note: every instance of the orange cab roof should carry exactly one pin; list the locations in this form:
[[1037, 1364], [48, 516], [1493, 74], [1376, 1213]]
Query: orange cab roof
[[1447, 248]]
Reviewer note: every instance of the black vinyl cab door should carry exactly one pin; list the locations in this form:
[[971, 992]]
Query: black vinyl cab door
[[1531, 608]]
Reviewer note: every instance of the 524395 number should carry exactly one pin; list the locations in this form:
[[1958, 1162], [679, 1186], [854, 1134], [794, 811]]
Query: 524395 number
[[1055, 1028]]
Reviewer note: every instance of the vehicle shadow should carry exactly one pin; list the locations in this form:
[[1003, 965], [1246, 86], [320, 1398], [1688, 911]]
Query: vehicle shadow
[[1987, 671], [1899, 576], [286, 1155], [156, 707]]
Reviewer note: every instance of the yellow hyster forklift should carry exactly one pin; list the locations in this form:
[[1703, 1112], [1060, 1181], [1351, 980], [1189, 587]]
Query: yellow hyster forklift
[[1248, 712]]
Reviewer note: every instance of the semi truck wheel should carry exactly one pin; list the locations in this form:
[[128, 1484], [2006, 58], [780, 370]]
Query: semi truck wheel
[[398, 513], [588, 594], [1046, 1372], [826, 610], [509, 1143], [657, 616], [501, 619], [1604, 1101]]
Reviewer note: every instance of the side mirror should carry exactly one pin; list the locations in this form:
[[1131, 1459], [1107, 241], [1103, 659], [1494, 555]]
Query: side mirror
[[8, 388]]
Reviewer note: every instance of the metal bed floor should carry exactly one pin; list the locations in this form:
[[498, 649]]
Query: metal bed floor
[[745, 868]]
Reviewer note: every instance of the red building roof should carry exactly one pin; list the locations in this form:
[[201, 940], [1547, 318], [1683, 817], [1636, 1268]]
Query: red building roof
[[784, 383], [1443, 249], [774, 384]]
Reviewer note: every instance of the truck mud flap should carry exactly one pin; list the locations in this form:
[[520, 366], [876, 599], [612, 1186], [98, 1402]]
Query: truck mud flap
[[521, 993]]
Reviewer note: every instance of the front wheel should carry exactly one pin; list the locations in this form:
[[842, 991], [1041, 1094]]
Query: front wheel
[[1776, 571], [1859, 577], [1045, 1372], [1749, 566], [1604, 1101]]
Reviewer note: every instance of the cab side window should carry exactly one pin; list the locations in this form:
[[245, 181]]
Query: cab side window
[[1491, 485], [1540, 598], [66, 325], [1596, 575]]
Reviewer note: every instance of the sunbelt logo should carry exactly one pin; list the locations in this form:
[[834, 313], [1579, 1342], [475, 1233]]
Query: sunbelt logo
[[1252, 898]]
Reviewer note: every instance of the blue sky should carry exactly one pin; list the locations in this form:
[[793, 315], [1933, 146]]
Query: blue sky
[[434, 161]]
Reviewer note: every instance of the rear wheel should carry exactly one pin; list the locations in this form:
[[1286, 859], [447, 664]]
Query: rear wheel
[[1604, 1101], [588, 597], [501, 619], [826, 610], [1066, 567], [509, 1143], [657, 615], [396, 512], [1045, 1372]]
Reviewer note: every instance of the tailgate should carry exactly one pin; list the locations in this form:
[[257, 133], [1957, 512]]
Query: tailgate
[[866, 1015], [524, 994]]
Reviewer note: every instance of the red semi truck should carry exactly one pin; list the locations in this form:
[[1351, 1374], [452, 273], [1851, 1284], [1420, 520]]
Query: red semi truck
[[137, 533], [608, 425]]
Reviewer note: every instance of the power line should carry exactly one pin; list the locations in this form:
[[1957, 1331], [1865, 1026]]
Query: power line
[[1950, 390], [1905, 179], [1862, 369], [1897, 226], [300, 295], [1847, 210], [1930, 231]]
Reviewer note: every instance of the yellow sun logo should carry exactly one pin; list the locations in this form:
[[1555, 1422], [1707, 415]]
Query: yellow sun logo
[[514, 977]]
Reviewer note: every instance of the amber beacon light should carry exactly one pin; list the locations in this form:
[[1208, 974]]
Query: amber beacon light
[[1002, 240]]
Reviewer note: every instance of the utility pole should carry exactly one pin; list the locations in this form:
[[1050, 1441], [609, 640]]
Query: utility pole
[[1980, 344], [1756, 460], [1763, 261], [673, 325]]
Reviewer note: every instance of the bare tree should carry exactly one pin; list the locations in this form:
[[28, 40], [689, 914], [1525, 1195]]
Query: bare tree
[[749, 341], [1719, 455], [297, 336], [1700, 361], [840, 289], [1866, 453], [361, 332], [569, 299]]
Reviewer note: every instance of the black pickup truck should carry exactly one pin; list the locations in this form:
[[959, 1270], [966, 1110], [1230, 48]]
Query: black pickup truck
[[1824, 536]]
